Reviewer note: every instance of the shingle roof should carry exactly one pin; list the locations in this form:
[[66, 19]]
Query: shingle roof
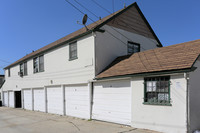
[[175, 57]]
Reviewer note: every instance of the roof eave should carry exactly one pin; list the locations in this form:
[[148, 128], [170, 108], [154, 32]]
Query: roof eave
[[149, 73]]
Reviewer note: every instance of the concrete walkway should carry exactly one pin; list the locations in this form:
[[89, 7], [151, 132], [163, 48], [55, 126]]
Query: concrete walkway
[[23, 121]]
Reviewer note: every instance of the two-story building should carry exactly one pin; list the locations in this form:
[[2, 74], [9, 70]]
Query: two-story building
[[110, 71]]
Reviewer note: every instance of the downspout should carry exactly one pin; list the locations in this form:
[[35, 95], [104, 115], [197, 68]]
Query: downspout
[[186, 76], [90, 98]]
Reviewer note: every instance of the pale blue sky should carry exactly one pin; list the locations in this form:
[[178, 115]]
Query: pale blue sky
[[28, 25]]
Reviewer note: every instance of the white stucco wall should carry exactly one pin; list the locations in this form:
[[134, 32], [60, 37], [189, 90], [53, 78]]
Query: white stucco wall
[[107, 47], [194, 98], [167, 119], [57, 68]]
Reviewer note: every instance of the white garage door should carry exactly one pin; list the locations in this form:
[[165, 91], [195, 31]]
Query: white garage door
[[112, 102], [77, 101], [39, 100], [5, 98], [11, 99], [27, 95], [55, 100]]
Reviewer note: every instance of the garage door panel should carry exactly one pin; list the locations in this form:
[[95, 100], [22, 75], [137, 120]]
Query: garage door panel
[[11, 99], [77, 101], [81, 98], [27, 94], [112, 102], [111, 90], [55, 100], [112, 108], [5, 97], [113, 114], [75, 107], [39, 99]]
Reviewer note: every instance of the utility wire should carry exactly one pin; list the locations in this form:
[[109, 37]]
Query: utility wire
[[4, 61], [85, 8], [78, 9], [101, 6]]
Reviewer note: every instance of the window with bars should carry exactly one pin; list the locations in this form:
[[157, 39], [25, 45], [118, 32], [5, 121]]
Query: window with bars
[[73, 51], [133, 47], [23, 69], [38, 64], [157, 90]]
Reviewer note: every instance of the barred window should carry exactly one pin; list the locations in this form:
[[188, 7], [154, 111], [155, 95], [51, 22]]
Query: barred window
[[157, 90]]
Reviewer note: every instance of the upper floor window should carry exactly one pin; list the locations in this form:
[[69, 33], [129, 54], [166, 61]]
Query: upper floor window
[[73, 51], [133, 47], [157, 90], [8, 72], [38, 64], [23, 69]]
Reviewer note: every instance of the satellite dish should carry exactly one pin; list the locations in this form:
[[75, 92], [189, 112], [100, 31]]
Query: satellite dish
[[84, 19]]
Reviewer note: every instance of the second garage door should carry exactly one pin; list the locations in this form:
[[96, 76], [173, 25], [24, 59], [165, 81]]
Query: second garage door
[[112, 102], [77, 101], [55, 100], [11, 99], [39, 99], [27, 96]]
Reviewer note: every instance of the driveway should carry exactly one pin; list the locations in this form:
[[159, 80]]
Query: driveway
[[23, 121]]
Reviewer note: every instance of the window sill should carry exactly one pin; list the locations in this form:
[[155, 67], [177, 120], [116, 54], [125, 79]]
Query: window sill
[[38, 72], [73, 58], [161, 104]]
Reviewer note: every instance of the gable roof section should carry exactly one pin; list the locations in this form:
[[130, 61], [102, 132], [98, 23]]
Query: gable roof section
[[79, 33], [134, 21], [170, 58]]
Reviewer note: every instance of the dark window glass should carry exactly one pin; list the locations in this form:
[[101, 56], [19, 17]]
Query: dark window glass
[[133, 47], [41, 63], [25, 68], [8, 72], [38, 64], [35, 65], [73, 51]]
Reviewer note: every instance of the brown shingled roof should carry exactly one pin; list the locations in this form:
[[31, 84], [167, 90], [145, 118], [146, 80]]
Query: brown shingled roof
[[175, 57]]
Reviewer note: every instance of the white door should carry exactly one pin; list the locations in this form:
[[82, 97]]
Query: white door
[[112, 102], [77, 101], [55, 100], [39, 100], [27, 96], [5, 98], [11, 99]]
